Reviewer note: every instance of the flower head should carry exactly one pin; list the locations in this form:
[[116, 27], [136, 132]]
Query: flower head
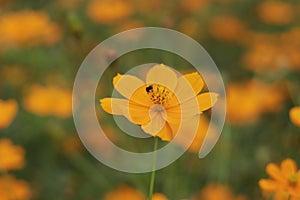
[[10, 188], [124, 193], [295, 115], [109, 11], [11, 156], [216, 191], [49, 100], [39, 29], [9, 110], [284, 179], [161, 103]]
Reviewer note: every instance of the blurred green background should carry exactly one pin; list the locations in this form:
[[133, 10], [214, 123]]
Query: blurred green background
[[254, 43]]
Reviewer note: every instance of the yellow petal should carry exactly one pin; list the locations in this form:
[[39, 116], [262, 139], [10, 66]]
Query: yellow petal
[[165, 133], [163, 75], [274, 171], [140, 96], [288, 167], [126, 85], [195, 80], [295, 115], [139, 114], [207, 100], [135, 113], [158, 116], [183, 91], [268, 185], [114, 106]]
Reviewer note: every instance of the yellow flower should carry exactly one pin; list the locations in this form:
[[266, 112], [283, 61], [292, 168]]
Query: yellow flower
[[159, 196], [11, 156], [295, 115], [161, 103], [49, 100], [275, 12], [39, 29], [284, 180], [9, 109], [246, 101], [109, 11], [10, 188], [124, 193], [215, 191], [227, 28]]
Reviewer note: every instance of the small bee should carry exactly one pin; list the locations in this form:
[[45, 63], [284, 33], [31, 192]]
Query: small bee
[[149, 88]]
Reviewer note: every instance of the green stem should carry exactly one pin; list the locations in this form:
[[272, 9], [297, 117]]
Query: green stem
[[153, 169]]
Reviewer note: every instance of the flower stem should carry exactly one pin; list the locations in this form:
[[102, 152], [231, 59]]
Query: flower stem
[[153, 169]]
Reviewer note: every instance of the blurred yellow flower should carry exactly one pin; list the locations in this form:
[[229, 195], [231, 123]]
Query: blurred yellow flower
[[109, 11], [275, 12], [8, 111], [39, 29], [215, 191], [49, 100], [193, 5], [246, 101], [284, 180], [272, 52], [155, 105], [11, 156], [295, 115], [124, 193], [10, 188], [227, 28], [159, 196]]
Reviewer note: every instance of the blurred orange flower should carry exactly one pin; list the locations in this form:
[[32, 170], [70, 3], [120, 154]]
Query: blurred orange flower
[[159, 196], [11, 156], [193, 5], [217, 192], [49, 100], [272, 52], [124, 193], [284, 180], [190, 27], [246, 101], [275, 12], [10, 188], [227, 28], [39, 29], [109, 11], [295, 115], [155, 105], [9, 109]]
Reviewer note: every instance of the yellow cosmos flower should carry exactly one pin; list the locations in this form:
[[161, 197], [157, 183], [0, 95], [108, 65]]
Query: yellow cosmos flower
[[124, 193], [49, 100], [11, 156], [109, 11], [10, 188], [39, 29], [161, 103], [216, 191], [9, 110], [159, 196], [295, 115], [284, 181]]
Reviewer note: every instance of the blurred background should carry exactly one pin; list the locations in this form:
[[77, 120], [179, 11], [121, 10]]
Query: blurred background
[[255, 44]]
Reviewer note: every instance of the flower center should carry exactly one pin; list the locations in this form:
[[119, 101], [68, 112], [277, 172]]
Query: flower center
[[158, 94]]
